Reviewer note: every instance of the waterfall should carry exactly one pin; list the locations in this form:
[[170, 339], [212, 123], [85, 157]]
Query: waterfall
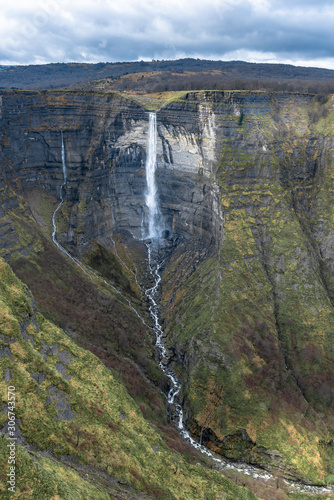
[[54, 225], [154, 215], [63, 160]]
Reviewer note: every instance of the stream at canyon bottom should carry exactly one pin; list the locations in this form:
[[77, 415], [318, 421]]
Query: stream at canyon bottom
[[174, 405]]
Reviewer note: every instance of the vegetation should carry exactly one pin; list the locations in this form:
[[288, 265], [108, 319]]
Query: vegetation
[[161, 76], [69, 403]]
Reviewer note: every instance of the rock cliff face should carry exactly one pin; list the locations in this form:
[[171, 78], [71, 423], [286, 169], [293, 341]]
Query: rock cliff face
[[245, 184], [106, 145]]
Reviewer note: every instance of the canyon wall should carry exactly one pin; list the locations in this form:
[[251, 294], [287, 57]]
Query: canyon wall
[[105, 146]]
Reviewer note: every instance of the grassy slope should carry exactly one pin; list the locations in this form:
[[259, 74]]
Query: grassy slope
[[107, 430], [97, 316], [263, 301]]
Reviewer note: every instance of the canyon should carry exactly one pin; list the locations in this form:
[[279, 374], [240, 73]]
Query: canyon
[[244, 183]]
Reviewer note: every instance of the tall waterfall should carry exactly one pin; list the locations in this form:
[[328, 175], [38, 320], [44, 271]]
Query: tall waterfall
[[154, 215], [63, 160]]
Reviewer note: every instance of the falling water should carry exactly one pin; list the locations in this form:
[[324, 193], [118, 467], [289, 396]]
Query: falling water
[[63, 159], [154, 216], [54, 225]]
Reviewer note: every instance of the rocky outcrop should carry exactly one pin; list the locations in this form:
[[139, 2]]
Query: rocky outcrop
[[106, 146]]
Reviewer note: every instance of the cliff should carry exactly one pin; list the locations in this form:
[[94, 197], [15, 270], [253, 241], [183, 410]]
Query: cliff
[[105, 145], [244, 187]]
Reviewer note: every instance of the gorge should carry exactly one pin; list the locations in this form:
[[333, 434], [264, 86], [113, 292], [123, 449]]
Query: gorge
[[155, 263], [230, 202]]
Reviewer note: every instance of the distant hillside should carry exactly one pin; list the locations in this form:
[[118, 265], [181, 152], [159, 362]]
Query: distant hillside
[[158, 76]]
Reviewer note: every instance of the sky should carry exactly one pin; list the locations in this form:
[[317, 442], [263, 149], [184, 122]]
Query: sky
[[298, 32]]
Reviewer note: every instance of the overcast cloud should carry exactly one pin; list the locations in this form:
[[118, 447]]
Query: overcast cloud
[[129, 30]]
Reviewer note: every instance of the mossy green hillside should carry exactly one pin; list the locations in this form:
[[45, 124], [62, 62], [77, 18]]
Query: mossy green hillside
[[67, 401], [97, 316], [237, 322], [41, 478], [236, 376]]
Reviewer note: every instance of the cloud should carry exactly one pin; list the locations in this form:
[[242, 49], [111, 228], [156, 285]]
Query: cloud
[[110, 30]]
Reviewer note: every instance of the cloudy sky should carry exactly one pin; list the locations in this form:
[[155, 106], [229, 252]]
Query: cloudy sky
[[41, 31]]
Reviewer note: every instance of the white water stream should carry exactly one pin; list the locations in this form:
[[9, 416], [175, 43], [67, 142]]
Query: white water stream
[[54, 225], [175, 385]]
